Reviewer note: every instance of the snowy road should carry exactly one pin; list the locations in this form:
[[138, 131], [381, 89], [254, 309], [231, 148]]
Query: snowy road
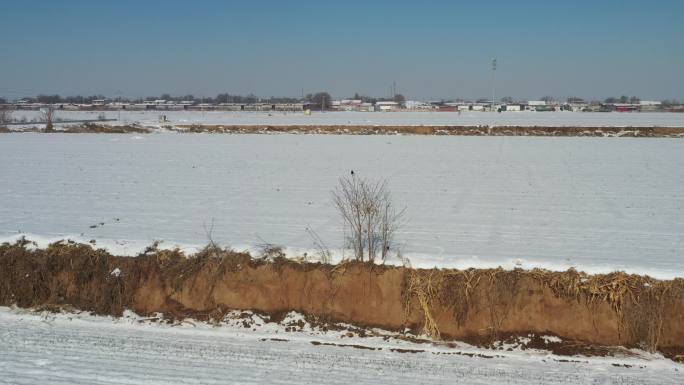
[[69, 349], [598, 204]]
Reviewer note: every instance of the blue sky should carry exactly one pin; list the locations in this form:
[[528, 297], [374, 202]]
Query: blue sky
[[432, 49]]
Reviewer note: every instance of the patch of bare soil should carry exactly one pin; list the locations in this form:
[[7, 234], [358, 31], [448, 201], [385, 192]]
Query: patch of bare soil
[[566, 312]]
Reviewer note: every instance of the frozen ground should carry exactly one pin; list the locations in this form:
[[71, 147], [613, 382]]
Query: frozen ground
[[592, 203], [471, 118], [46, 348]]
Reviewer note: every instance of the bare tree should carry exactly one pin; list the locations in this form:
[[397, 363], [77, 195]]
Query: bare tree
[[369, 215], [348, 198], [48, 115], [401, 99], [323, 100], [5, 118]]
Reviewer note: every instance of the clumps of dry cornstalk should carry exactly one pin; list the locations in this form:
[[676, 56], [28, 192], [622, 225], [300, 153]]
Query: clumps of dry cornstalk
[[454, 289], [458, 289], [637, 300], [614, 288], [501, 292], [424, 286]]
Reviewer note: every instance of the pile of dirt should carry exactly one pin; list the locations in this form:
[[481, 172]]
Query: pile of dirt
[[481, 306], [639, 132]]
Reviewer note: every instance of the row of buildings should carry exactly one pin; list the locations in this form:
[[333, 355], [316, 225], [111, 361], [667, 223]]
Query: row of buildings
[[532, 105], [357, 105]]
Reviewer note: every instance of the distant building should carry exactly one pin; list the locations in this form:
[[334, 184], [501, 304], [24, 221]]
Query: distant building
[[626, 107], [420, 106], [575, 106], [511, 107], [386, 106], [347, 105], [540, 105], [650, 105], [367, 107]]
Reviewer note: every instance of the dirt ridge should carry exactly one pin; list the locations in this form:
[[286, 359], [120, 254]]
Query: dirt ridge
[[639, 132], [423, 130], [479, 306]]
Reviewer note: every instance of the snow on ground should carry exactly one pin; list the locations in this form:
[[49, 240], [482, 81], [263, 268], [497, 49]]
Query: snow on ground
[[68, 348], [469, 118], [598, 204]]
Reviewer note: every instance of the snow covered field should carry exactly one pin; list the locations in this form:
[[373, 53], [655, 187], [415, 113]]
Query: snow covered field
[[46, 348], [469, 118], [592, 203]]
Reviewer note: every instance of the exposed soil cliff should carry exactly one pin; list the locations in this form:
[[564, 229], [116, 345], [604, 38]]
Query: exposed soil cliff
[[478, 306], [639, 132]]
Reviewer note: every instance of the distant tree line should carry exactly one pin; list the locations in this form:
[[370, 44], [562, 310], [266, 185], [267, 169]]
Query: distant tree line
[[624, 99], [220, 98], [399, 98], [319, 100], [56, 99]]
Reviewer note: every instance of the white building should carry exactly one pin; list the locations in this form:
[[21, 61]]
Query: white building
[[650, 105], [367, 107], [386, 106], [416, 105], [347, 105]]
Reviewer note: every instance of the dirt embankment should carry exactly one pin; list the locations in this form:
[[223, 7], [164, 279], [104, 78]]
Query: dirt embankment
[[86, 128], [105, 129], [631, 132], [478, 306], [640, 132]]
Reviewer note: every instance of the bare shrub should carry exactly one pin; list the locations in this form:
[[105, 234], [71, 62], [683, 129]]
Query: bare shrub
[[209, 233], [322, 249], [48, 115], [269, 251], [369, 215]]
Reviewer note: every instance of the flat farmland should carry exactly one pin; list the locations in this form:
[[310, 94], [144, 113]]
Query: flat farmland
[[597, 204]]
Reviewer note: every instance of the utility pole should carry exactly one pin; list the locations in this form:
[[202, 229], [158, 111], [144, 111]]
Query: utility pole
[[118, 99], [394, 89], [493, 78]]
